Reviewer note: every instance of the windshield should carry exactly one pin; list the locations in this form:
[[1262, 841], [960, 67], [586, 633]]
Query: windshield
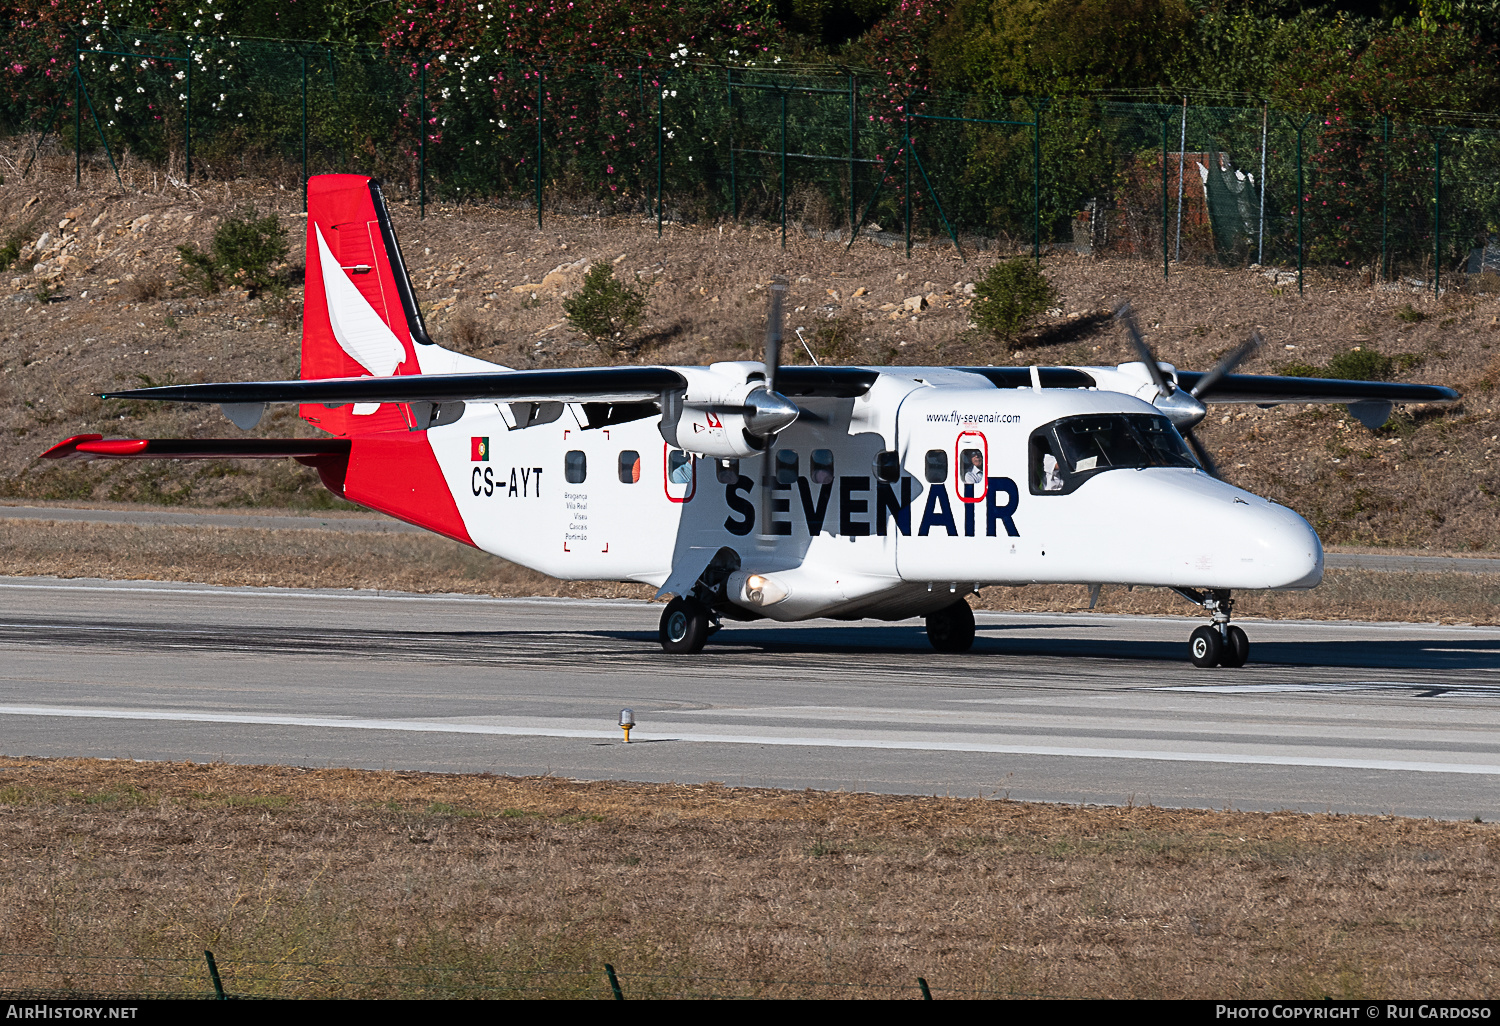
[[1121, 440], [1067, 451]]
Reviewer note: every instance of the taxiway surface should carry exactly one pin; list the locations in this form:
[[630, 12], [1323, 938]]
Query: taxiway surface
[[1077, 708]]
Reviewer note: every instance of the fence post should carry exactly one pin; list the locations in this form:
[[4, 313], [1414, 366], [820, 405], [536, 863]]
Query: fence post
[[906, 161], [1164, 270], [1037, 106], [304, 133], [213, 972], [422, 138], [783, 168], [1437, 211], [187, 119], [77, 116], [1181, 167], [1307, 120], [1260, 234], [661, 99], [1385, 174], [853, 103], [537, 173], [734, 185], [614, 982], [94, 116]]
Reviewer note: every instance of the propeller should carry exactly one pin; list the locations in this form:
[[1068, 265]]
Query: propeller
[[1185, 409], [774, 326]]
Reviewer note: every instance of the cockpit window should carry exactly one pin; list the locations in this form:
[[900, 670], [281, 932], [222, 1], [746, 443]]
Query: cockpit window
[[1067, 452]]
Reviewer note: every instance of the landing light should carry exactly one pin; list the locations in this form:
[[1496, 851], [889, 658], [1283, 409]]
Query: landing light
[[760, 590], [755, 588]]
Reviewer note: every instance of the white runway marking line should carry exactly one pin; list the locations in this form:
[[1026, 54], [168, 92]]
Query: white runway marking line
[[1350, 687], [421, 726]]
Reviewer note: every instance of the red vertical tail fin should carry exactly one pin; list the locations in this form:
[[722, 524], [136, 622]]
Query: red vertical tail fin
[[360, 314]]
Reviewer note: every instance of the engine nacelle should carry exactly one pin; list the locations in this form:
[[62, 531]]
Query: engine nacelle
[[734, 424], [716, 435]]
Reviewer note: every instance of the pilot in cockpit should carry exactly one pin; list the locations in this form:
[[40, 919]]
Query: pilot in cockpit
[[1051, 478]]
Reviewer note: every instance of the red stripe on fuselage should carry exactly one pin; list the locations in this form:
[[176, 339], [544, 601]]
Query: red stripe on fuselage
[[398, 474]]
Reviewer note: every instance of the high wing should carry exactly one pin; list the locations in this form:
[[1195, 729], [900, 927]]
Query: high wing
[[583, 385], [592, 384], [1269, 390]]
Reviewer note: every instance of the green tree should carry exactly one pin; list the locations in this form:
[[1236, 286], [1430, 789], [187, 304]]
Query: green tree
[[1054, 47], [606, 310], [1009, 295]]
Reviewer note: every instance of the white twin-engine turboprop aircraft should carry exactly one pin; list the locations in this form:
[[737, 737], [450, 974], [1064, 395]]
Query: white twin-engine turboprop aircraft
[[749, 490]]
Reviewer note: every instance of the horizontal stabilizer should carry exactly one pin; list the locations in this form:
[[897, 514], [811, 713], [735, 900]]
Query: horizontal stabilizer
[[93, 447]]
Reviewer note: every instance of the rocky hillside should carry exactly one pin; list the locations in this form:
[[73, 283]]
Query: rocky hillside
[[95, 298]]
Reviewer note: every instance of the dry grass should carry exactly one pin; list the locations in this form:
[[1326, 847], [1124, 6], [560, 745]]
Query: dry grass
[[293, 877], [247, 557], [427, 563]]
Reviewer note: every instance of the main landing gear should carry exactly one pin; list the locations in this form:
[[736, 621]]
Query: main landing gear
[[686, 624], [951, 629], [1219, 643]]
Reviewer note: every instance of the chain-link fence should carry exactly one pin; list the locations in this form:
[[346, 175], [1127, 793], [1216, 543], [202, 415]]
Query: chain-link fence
[[834, 150]]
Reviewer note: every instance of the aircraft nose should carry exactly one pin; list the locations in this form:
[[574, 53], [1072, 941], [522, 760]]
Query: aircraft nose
[[1290, 550], [1200, 532]]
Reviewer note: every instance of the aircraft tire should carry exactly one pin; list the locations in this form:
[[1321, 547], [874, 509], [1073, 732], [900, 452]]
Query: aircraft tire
[[1236, 648], [1206, 647], [951, 629], [684, 626]]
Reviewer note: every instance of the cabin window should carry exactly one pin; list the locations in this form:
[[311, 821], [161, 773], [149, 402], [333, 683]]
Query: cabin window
[[971, 466], [679, 467], [822, 466], [887, 466], [575, 467], [727, 471], [786, 467], [937, 466], [630, 466]]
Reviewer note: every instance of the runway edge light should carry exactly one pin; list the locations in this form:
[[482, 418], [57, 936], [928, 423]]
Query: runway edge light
[[627, 720]]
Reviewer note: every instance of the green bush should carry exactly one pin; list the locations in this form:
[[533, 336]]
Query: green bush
[[10, 251], [1300, 370], [1009, 296], [1360, 365], [245, 252], [1355, 365], [606, 310]]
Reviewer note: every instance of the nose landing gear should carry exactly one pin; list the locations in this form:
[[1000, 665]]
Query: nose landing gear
[[1219, 643]]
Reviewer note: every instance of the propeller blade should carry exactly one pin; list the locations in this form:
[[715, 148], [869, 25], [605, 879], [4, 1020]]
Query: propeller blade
[[774, 320], [1125, 317], [1202, 453], [1227, 365]]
